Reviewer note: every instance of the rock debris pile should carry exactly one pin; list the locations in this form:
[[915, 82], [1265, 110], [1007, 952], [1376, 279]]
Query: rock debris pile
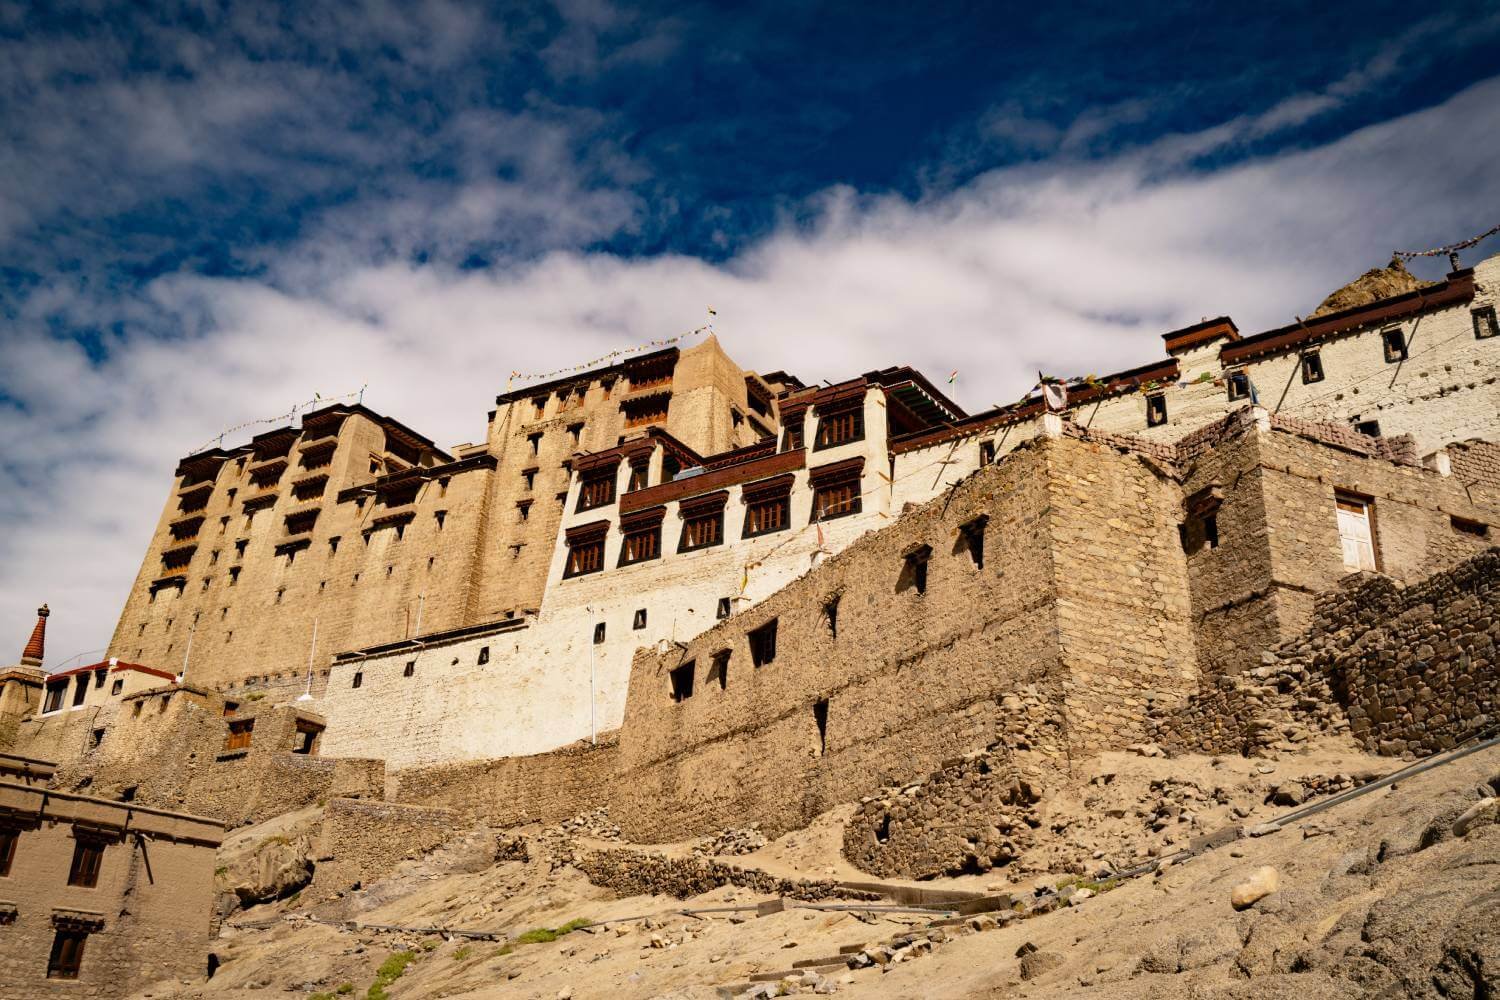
[[635, 873]]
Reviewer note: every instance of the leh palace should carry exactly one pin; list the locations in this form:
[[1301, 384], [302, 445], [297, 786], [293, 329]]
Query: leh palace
[[691, 681]]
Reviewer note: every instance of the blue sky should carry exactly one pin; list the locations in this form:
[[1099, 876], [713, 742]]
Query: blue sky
[[210, 211]]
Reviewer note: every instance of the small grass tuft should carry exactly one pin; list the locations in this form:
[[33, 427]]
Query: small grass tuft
[[505, 949], [542, 935], [462, 952], [390, 970], [344, 989]]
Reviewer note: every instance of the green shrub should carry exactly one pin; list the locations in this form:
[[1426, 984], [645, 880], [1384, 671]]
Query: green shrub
[[344, 989], [462, 953], [390, 970]]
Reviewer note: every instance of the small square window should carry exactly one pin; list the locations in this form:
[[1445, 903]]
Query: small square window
[[484, 655], [1485, 324], [1394, 342], [117, 687], [1239, 385], [1312, 368], [1371, 428], [409, 669], [724, 608], [986, 453], [599, 632], [763, 644], [1156, 410], [640, 619]]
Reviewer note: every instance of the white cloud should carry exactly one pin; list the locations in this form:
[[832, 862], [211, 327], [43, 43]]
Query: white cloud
[[1067, 267]]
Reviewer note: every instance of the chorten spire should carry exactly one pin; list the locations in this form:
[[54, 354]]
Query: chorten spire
[[32, 655]]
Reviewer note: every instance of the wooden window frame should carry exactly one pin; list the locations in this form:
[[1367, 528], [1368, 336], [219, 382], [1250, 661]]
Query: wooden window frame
[[1311, 365], [836, 490], [1393, 343], [585, 549], [641, 544], [241, 734], [1237, 384], [841, 426], [66, 958], [88, 859], [596, 489], [702, 522]]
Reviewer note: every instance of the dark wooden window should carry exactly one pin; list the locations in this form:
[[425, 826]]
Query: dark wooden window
[[8, 840], [54, 697], [654, 373], [1312, 367], [763, 644], [88, 853], [1156, 410], [80, 690], [598, 490], [640, 412], [986, 453], [682, 682], [836, 499], [1485, 323], [1394, 343], [1239, 386], [640, 475], [793, 438], [359, 679], [67, 954], [767, 515], [641, 544], [702, 522], [719, 669], [240, 734], [840, 427], [585, 557]]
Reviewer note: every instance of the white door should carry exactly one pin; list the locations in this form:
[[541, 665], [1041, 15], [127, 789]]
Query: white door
[[1354, 533]]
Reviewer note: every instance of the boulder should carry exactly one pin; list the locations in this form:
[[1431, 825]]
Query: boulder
[[1261, 883], [1481, 813]]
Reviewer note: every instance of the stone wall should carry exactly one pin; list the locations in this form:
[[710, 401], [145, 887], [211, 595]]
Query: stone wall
[[512, 791], [1404, 669], [363, 841]]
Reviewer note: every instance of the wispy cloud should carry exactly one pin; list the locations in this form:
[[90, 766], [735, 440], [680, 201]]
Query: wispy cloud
[[1067, 265]]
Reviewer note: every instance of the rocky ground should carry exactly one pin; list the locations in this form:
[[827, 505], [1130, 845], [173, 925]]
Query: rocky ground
[[1378, 897]]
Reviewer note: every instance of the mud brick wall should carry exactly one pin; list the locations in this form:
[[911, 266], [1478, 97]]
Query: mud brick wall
[[751, 747], [1476, 466], [513, 791], [636, 873], [364, 841]]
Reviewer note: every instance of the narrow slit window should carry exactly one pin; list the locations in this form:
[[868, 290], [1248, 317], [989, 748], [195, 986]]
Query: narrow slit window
[[1156, 410], [914, 569], [986, 453], [359, 679], [831, 616], [8, 840], [820, 717], [600, 631], [971, 536], [682, 682], [409, 669], [719, 671]]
